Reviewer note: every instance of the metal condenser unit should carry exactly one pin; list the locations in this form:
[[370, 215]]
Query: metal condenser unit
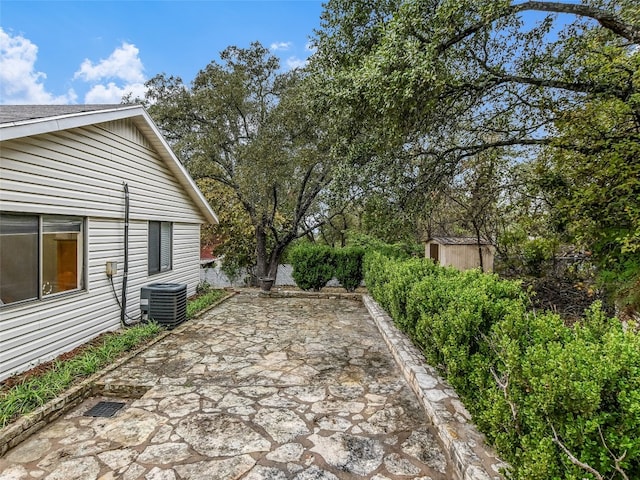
[[164, 303]]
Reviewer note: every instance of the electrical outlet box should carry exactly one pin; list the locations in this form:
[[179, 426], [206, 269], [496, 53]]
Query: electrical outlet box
[[112, 268]]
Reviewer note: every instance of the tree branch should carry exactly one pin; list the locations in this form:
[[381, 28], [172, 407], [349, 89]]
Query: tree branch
[[604, 18], [273, 215], [470, 150], [497, 77], [299, 201], [321, 223], [573, 87], [572, 458], [504, 386], [617, 460]]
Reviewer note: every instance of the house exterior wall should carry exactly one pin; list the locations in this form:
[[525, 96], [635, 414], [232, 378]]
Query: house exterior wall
[[463, 257], [80, 172]]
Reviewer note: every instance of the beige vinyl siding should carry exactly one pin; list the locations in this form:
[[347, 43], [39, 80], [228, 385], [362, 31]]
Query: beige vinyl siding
[[37, 331], [465, 257], [186, 258], [81, 171]]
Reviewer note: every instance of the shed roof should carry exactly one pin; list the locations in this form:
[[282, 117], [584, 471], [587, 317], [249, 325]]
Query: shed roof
[[18, 121], [457, 241]]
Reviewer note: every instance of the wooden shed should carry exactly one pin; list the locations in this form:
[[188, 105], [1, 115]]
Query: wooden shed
[[462, 253]]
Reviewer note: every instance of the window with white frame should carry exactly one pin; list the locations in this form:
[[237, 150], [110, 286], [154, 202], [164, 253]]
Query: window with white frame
[[160, 246], [40, 255]]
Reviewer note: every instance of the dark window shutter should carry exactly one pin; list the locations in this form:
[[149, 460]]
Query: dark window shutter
[[154, 247]]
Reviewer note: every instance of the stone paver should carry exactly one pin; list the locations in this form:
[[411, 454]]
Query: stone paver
[[259, 388]]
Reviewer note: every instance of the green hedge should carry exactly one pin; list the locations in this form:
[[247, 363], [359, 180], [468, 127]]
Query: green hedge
[[313, 265], [348, 267], [549, 396]]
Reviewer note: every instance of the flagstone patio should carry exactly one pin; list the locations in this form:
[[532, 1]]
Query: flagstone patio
[[258, 388]]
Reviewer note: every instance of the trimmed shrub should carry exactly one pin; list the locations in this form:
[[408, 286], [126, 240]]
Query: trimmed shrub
[[313, 265], [574, 390], [555, 400], [348, 269]]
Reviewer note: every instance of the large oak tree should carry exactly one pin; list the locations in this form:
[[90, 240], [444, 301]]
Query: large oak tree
[[247, 126]]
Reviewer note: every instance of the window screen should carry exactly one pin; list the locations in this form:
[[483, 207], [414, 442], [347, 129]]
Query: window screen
[[165, 246], [160, 246], [18, 257], [39, 256]]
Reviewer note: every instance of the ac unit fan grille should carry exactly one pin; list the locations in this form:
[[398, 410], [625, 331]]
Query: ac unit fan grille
[[166, 303]]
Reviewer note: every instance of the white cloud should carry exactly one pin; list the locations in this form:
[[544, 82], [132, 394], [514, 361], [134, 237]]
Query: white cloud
[[112, 93], [124, 63], [280, 46], [20, 83], [112, 78], [295, 62]]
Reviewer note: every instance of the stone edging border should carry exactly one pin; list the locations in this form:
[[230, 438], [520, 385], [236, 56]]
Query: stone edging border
[[18, 431], [306, 294], [471, 457]]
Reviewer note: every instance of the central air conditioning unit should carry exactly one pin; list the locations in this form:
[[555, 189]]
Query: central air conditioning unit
[[164, 303]]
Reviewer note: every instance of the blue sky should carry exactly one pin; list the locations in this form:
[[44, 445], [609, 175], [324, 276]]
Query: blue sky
[[93, 51]]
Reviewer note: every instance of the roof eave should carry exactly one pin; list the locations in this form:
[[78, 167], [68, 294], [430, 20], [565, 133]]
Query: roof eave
[[159, 142], [39, 126]]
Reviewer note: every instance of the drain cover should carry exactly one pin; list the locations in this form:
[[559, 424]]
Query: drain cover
[[104, 409]]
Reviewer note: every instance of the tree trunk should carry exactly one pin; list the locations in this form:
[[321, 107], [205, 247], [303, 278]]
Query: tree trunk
[[261, 253], [273, 264], [267, 262]]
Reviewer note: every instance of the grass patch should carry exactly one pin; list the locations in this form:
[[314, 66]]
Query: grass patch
[[36, 389], [203, 301]]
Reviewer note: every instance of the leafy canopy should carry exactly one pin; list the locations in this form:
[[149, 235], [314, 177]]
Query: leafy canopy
[[429, 84], [247, 126]]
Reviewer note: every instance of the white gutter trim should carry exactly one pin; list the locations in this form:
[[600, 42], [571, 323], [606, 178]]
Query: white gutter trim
[[38, 126]]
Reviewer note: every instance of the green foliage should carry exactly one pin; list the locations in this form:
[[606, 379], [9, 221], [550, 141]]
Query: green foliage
[[234, 234], [36, 391], [244, 129], [382, 216], [313, 265], [431, 85], [537, 253], [203, 287], [542, 391], [203, 301], [393, 250], [348, 268], [597, 196]]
